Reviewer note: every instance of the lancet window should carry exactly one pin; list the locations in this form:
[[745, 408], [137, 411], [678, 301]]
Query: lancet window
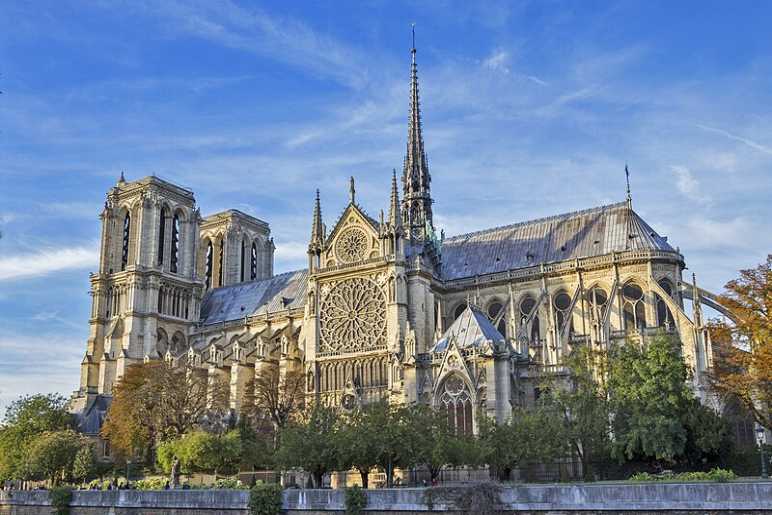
[[634, 307], [456, 401], [175, 243], [126, 236], [162, 235]]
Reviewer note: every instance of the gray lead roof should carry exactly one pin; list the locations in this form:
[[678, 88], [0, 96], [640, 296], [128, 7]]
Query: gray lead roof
[[592, 232], [471, 329], [280, 292]]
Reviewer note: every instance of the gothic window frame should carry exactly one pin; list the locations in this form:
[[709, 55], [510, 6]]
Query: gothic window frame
[[563, 310], [175, 247], [597, 309], [633, 307], [664, 315], [455, 397], [535, 334], [126, 240], [221, 254], [243, 260], [208, 264], [253, 262], [163, 215], [502, 325]]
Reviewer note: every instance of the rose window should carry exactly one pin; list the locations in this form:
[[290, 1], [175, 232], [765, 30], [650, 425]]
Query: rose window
[[351, 245], [353, 316]]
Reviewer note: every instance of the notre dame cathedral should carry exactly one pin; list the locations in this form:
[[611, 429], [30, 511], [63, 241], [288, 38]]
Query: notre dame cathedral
[[388, 308]]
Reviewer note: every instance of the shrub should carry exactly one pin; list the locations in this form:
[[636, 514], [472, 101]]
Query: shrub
[[643, 476], [716, 474], [153, 483], [60, 500], [356, 500], [265, 500], [229, 483]]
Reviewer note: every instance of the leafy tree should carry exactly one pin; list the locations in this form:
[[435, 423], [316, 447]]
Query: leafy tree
[[84, 465], [582, 404], [357, 447], [199, 451], [257, 448], [390, 437], [655, 411], [25, 419], [156, 401], [309, 443], [743, 348], [51, 455]]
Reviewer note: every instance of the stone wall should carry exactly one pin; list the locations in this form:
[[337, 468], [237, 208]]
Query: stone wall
[[610, 498]]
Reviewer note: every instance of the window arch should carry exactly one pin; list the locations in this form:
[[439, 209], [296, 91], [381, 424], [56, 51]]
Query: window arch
[[243, 260], [126, 236], [175, 243], [562, 304], [459, 309], [253, 262], [664, 316], [526, 306], [494, 311], [597, 298], [162, 234], [208, 269], [455, 400], [634, 307], [221, 248]]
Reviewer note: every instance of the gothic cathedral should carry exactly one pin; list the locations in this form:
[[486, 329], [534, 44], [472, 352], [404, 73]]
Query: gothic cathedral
[[387, 308]]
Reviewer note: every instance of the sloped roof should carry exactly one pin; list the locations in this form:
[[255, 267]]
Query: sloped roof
[[280, 292], [471, 329], [90, 420], [592, 232]]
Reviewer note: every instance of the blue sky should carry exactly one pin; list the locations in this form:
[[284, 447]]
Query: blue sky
[[530, 109]]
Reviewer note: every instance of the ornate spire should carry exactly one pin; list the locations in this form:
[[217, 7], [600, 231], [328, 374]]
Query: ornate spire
[[394, 214], [352, 190], [317, 228], [629, 195], [417, 202]]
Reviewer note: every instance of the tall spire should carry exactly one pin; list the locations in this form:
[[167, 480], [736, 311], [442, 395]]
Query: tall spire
[[629, 195], [417, 201], [352, 190], [317, 229], [394, 215]]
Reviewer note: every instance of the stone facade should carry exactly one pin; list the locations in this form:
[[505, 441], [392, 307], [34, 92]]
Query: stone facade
[[387, 308]]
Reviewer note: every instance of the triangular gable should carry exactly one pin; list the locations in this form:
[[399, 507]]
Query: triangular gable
[[471, 329], [453, 363], [353, 216]]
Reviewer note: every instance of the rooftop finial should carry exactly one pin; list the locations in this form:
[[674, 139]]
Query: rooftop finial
[[627, 178], [352, 190], [123, 178], [412, 25]]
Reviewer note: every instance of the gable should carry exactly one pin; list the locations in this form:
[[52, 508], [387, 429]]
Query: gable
[[354, 238]]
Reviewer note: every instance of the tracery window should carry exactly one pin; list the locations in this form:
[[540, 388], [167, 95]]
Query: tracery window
[[664, 316], [125, 248], [353, 316], [219, 263], [162, 235], [495, 311], [253, 262], [175, 243], [526, 306], [456, 401], [597, 299], [562, 304], [459, 309], [634, 307], [209, 258]]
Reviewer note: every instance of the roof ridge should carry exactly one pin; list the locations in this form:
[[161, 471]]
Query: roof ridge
[[255, 281], [538, 220]]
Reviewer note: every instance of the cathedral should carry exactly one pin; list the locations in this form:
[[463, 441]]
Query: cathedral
[[388, 308]]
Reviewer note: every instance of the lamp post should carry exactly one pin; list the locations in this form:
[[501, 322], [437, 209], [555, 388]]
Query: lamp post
[[760, 441]]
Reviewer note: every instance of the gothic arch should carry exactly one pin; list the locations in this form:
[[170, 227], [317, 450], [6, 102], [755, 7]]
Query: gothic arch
[[455, 398], [633, 306]]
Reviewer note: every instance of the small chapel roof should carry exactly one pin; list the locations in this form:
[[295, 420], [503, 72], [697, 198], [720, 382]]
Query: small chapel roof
[[471, 329], [592, 232], [280, 292]]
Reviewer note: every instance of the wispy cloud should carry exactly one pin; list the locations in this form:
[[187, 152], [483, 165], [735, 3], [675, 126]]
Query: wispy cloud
[[688, 184], [752, 144], [47, 261]]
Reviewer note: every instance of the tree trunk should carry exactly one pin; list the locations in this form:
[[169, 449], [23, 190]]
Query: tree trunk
[[389, 474], [365, 475]]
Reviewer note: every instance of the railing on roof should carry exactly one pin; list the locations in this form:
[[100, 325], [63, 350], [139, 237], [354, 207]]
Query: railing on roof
[[370, 261]]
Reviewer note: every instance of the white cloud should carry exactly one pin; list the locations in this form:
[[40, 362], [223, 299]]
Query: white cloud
[[753, 144], [47, 261], [497, 61], [687, 184]]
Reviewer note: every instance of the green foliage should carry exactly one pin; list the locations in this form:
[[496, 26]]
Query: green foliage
[[257, 449], [265, 499], [356, 501], [228, 483], [199, 451], [477, 499], [25, 419], [716, 474], [310, 443], [656, 416], [60, 500], [152, 483], [84, 465], [51, 455]]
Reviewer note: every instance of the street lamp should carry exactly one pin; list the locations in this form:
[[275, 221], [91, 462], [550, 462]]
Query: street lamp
[[760, 441]]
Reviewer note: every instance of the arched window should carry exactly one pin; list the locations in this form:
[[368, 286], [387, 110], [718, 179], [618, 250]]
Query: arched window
[[253, 262], [562, 304], [175, 243], [526, 306], [125, 248], [495, 312], [459, 309], [219, 263], [243, 259], [162, 235], [634, 308], [456, 401], [664, 316], [597, 299], [209, 257]]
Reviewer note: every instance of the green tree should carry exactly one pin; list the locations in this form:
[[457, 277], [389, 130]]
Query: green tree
[[582, 404], [357, 447], [310, 443], [391, 437], [199, 451], [84, 465], [656, 417], [25, 419], [51, 455]]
